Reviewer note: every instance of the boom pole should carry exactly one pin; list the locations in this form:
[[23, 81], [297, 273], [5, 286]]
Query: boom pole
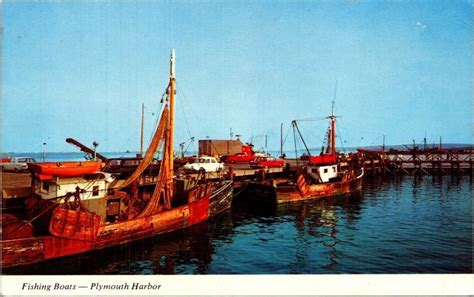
[[295, 125], [171, 123]]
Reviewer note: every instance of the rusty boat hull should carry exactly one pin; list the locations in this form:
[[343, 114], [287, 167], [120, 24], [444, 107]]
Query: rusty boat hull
[[302, 191], [279, 191], [26, 251]]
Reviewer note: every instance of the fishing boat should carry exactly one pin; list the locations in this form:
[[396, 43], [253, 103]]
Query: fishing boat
[[49, 170], [321, 176], [75, 224]]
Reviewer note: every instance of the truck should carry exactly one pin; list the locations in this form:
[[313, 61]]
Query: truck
[[245, 156], [215, 147]]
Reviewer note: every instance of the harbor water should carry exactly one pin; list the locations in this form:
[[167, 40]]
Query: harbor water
[[394, 225]]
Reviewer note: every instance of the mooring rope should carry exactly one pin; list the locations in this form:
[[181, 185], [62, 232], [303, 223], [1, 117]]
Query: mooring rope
[[241, 190]]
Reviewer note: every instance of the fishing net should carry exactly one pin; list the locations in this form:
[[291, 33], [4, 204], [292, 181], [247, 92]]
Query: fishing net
[[151, 151], [162, 189]]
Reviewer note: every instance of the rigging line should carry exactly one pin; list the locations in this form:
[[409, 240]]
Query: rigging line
[[346, 133], [341, 126], [192, 111], [158, 118], [287, 133], [311, 119], [186, 119], [340, 139], [318, 138], [178, 87], [184, 112]]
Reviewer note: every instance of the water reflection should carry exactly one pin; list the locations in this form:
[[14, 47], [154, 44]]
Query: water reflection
[[315, 221], [158, 255], [394, 225]]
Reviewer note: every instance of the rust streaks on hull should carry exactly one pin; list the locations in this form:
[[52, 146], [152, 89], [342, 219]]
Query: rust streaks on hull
[[283, 191], [18, 252], [307, 192], [55, 247]]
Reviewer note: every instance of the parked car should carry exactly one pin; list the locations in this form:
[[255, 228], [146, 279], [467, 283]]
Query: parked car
[[5, 160], [266, 162], [239, 158], [207, 164], [17, 164]]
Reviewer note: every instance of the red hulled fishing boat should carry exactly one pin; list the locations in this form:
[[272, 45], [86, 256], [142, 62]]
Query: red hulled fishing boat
[[86, 219], [322, 176]]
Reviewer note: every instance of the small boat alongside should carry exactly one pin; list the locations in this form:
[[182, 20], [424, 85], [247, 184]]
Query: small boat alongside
[[49, 170]]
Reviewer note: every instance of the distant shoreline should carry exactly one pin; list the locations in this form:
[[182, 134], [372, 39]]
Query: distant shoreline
[[352, 148]]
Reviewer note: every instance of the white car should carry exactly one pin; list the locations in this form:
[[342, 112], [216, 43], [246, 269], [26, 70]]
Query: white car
[[17, 164], [208, 164]]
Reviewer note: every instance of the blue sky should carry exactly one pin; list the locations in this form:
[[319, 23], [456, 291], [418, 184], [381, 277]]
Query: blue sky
[[83, 69]]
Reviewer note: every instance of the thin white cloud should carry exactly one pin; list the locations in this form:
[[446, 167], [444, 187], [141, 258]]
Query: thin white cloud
[[421, 25]]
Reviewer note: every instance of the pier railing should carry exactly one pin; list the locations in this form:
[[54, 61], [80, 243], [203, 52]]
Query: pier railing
[[418, 162]]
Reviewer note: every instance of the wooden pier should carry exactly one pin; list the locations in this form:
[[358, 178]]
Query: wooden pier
[[375, 163], [418, 162]]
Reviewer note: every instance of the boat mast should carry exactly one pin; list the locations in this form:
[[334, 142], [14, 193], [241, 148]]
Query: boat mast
[[281, 140], [141, 132], [171, 120], [333, 135], [333, 125]]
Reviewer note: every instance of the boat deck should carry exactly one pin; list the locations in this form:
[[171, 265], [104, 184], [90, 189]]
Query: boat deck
[[17, 185]]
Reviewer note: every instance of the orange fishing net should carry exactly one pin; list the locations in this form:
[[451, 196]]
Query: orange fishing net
[[161, 189], [152, 149]]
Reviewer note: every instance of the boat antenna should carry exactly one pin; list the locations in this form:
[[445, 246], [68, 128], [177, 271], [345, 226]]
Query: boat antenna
[[141, 131], [334, 100], [95, 144], [424, 141], [44, 153]]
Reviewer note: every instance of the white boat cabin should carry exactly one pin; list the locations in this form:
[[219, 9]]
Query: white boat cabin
[[93, 190], [92, 186], [323, 173]]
